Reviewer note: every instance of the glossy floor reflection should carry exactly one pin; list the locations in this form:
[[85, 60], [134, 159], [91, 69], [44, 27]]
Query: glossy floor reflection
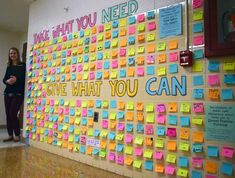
[[30, 162]]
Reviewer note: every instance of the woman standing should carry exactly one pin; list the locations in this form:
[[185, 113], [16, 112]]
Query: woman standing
[[14, 80]]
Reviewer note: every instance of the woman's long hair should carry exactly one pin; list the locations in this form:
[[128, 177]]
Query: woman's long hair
[[18, 56]]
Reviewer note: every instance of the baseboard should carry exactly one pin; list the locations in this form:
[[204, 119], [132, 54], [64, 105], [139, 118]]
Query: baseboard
[[3, 126]]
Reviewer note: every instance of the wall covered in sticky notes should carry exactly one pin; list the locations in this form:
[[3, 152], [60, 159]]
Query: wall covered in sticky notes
[[109, 91]]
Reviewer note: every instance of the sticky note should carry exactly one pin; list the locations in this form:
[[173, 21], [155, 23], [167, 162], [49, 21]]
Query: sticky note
[[159, 168], [184, 146], [197, 27], [198, 107], [213, 80], [229, 79], [120, 159], [161, 119], [171, 158], [227, 152], [185, 107], [214, 94], [148, 153], [161, 46], [198, 93], [172, 119], [227, 94], [128, 161], [198, 136], [197, 15], [198, 40], [170, 170], [184, 133], [197, 120], [197, 80], [148, 165], [196, 174], [172, 107], [139, 140], [197, 66], [197, 3], [198, 54], [161, 71], [138, 151], [212, 151], [197, 162], [211, 167], [159, 143], [171, 145], [137, 164], [158, 155], [173, 68], [182, 172], [213, 66], [227, 168], [171, 132], [184, 121], [229, 66], [129, 150]]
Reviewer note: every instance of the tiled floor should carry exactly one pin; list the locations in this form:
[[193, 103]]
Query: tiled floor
[[20, 161]]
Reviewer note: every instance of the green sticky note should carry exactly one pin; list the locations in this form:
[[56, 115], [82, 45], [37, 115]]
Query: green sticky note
[[119, 136], [102, 153], [71, 138], [131, 51], [197, 66], [171, 158], [103, 133], [112, 115], [57, 102], [72, 103], [122, 22], [105, 104], [130, 105], [90, 132], [184, 146], [182, 172], [229, 66], [148, 154], [150, 118], [161, 46], [139, 140], [197, 15], [185, 107], [137, 164], [65, 127], [197, 120], [78, 112], [59, 143], [141, 27], [80, 43], [114, 43], [140, 49], [150, 107], [129, 150], [159, 143], [84, 104], [87, 32], [100, 37]]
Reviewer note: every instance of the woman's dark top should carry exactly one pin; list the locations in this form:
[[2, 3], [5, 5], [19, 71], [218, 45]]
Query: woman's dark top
[[18, 87]]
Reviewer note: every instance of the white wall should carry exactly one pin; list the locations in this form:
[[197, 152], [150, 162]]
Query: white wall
[[7, 40]]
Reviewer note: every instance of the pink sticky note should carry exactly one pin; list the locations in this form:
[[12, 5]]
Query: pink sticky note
[[151, 26], [92, 75], [161, 108], [53, 71], [141, 18], [213, 80], [198, 40], [140, 71], [38, 101], [99, 65], [52, 102], [158, 155], [101, 28], [80, 68], [84, 112], [49, 49], [114, 64], [227, 152], [42, 124], [161, 119], [35, 108], [170, 170], [50, 133], [55, 126], [171, 132], [198, 107], [38, 137], [78, 103], [197, 162], [47, 117], [37, 59], [105, 124], [138, 151], [131, 30], [83, 139], [120, 126], [149, 129], [59, 47], [173, 56], [111, 156], [73, 69], [122, 52], [66, 111], [120, 159], [69, 52], [93, 39], [197, 3], [61, 110], [40, 86], [128, 138], [30, 135], [150, 59], [43, 108], [64, 38]]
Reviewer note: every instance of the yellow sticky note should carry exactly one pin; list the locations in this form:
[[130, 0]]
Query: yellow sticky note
[[159, 143], [173, 44], [122, 22], [161, 71], [107, 26], [184, 146], [129, 150], [197, 15], [87, 32], [71, 138], [182, 172], [140, 49], [105, 104], [119, 136], [161, 46], [90, 132], [130, 105], [103, 133], [185, 107], [150, 117], [150, 37], [137, 164], [150, 107], [114, 43], [171, 158], [131, 51], [197, 120], [197, 66], [100, 37], [141, 27], [85, 76], [112, 115], [84, 104], [113, 74], [229, 66], [148, 153], [139, 140]]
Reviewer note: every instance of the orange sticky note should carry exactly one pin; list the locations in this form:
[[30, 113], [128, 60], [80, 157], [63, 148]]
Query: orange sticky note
[[130, 72], [173, 44], [106, 74], [84, 129], [140, 116], [139, 106], [123, 32], [171, 145], [129, 116], [148, 141], [121, 105], [92, 48], [140, 60], [151, 48], [214, 94], [92, 66], [184, 133], [122, 62], [80, 50], [90, 122], [112, 146], [67, 78], [79, 76], [211, 167], [89, 150], [123, 42], [107, 35], [114, 54], [141, 38], [112, 124], [159, 168], [65, 144], [128, 161], [90, 104], [71, 120], [172, 107], [161, 58], [103, 144], [198, 136], [93, 30], [61, 118]]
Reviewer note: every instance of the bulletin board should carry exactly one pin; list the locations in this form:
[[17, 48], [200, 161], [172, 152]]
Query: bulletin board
[[114, 95]]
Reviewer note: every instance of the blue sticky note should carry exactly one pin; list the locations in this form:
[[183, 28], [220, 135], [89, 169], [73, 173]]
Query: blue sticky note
[[90, 113], [54, 56], [227, 94], [213, 66], [60, 127], [160, 131], [107, 45], [98, 103], [113, 104], [197, 148], [72, 112], [197, 27], [150, 70], [119, 147], [99, 75], [129, 127], [140, 128], [49, 63], [131, 40], [150, 15], [82, 149], [148, 165], [54, 142], [70, 37], [115, 34], [120, 115], [131, 20], [86, 58], [115, 24], [63, 54], [197, 80], [172, 119], [198, 54], [100, 55], [96, 132], [105, 114], [63, 62], [184, 121], [183, 161], [131, 61], [77, 138], [227, 169], [66, 119], [71, 128], [73, 77], [229, 79], [212, 151], [81, 34], [87, 41], [196, 174], [62, 78], [111, 135], [46, 132], [55, 118], [122, 73], [84, 121], [198, 93], [173, 68], [106, 64], [53, 78], [95, 151]]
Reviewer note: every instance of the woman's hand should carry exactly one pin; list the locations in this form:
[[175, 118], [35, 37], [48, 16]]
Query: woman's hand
[[11, 80]]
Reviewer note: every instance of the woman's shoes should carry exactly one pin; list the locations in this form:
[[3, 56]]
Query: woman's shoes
[[10, 138]]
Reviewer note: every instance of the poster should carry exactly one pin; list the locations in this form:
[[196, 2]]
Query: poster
[[220, 122]]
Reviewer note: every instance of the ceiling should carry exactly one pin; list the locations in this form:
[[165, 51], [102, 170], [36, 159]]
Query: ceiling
[[14, 15]]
